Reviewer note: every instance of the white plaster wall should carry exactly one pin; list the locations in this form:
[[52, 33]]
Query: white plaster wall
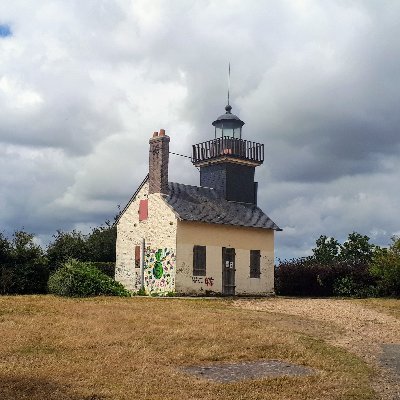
[[215, 237], [247, 285], [159, 232], [189, 284]]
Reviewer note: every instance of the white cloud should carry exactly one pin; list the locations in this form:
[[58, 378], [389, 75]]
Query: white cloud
[[18, 97]]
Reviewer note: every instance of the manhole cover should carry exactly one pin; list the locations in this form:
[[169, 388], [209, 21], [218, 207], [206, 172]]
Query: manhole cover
[[248, 370]]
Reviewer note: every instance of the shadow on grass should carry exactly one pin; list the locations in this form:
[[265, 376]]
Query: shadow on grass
[[33, 388]]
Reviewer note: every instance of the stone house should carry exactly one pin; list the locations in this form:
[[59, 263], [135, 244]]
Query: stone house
[[199, 240]]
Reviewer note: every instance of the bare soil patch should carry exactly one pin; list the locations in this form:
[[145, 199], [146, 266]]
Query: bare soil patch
[[361, 327]]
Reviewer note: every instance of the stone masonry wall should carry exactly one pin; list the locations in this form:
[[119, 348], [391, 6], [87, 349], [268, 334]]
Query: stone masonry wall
[[159, 232]]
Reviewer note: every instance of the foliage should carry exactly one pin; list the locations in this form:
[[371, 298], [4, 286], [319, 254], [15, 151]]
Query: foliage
[[333, 269], [5, 250], [385, 267], [81, 279], [101, 243], [23, 266], [67, 245], [347, 286], [97, 246], [326, 250], [356, 249], [141, 292], [107, 268], [308, 277]]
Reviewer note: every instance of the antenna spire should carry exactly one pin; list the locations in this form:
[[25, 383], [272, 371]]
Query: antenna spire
[[229, 79]]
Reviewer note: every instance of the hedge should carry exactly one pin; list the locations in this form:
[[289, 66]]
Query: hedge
[[307, 277]]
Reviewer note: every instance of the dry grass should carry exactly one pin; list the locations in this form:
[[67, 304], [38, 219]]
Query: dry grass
[[110, 348], [387, 306]]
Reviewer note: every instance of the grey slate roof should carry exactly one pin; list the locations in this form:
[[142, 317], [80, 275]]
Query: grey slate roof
[[194, 203]]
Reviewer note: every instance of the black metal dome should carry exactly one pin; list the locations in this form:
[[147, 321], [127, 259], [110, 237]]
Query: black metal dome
[[228, 119]]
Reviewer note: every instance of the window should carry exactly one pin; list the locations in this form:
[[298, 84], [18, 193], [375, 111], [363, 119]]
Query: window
[[255, 256], [199, 260], [137, 256], [143, 210]]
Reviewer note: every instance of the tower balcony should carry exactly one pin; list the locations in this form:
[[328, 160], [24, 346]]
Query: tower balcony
[[227, 148]]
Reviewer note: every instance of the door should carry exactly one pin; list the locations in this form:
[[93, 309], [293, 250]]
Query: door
[[228, 271]]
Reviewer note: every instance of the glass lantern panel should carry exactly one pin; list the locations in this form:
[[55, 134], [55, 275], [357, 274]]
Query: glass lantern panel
[[237, 133], [228, 132], [218, 132]]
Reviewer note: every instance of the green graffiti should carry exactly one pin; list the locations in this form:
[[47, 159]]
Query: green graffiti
[[159, 254], [158, 270]]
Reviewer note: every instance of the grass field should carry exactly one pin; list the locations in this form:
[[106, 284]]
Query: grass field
[[114, 348]]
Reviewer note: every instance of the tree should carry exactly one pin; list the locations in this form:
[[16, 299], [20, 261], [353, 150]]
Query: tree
[[101, 243], [326, 250], [5, 250], [97, 246], [23, 265], [385, 267], [66, 246], [357, 249]]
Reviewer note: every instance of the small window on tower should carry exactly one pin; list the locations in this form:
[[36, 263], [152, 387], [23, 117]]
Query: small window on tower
[[143, 210], [137, 256], [199, 260], [255, 256]]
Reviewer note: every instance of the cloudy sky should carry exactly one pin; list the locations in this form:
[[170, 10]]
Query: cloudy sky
[[84, 83]]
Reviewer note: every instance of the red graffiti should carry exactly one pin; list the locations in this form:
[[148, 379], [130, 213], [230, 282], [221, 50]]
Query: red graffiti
[[209, 281]]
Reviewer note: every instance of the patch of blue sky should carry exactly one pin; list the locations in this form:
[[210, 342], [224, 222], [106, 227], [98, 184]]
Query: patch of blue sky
[[5, 30]]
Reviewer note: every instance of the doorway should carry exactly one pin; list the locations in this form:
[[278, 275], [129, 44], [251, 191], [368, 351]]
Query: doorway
[[228, 271]]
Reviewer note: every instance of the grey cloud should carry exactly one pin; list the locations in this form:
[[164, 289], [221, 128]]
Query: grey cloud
[[83, 85]]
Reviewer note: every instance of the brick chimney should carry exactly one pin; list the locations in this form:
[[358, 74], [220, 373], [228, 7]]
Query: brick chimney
[[158, 162]]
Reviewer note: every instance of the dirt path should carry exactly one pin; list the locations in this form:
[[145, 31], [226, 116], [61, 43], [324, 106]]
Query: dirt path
[[363, 330]]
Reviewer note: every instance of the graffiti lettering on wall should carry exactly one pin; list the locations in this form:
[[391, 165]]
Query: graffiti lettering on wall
[[209, 281], [199, 279], [159, 270]]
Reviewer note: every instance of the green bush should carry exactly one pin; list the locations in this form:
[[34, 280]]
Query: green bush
[[385, 267], [106, 267], [347, 286], [82, 279]]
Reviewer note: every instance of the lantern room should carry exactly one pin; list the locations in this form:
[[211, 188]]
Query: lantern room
[[228, 124]]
